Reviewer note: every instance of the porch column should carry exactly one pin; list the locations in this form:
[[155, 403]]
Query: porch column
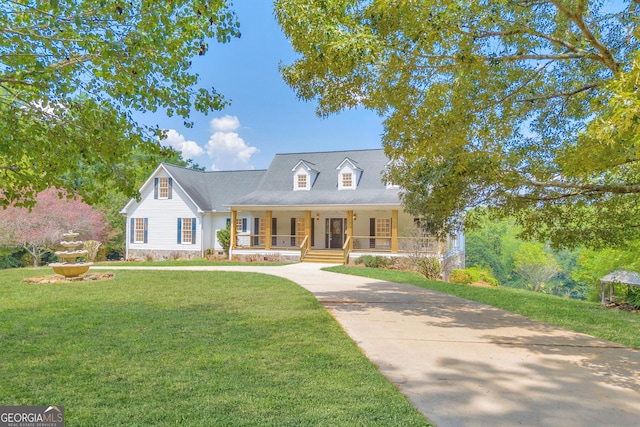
[[232, 229], [267, 231], [394, 231], [307, 225], [350, 228]]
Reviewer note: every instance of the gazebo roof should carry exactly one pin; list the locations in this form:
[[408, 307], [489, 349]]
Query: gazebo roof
[[622, 276]]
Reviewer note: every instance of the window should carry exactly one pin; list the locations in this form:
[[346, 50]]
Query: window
[[347, 180], [262, 228], [300, 230], [163, 188], [241, 225], [302, 181], [383, 227], [259, 231], [139, 230], [380, 232], [187, 230]]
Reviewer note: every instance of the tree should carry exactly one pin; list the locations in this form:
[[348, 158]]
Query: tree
[[41, 229], [413, 244], [536, 265], [530, 107], [73, 71]]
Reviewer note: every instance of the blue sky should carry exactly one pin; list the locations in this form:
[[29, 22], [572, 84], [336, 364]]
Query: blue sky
[[264, 117]]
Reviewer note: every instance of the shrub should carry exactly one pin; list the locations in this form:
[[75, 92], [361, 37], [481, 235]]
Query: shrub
[[372, 261], [482, 275], [460, 276], [633, 297], [224, 237], [8, 261], [429, 267]]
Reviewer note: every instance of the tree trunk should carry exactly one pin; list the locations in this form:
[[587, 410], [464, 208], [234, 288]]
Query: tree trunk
[[35, 253]]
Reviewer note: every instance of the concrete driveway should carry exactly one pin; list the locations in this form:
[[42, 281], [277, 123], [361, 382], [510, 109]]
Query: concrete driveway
[[463, 363]]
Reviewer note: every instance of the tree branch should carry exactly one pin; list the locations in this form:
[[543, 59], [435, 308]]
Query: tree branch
[[561, 95], [588, 188], [605, 56]]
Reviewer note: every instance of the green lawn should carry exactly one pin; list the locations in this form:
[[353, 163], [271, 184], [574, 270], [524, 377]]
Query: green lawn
[[191, 348], [580, 316]]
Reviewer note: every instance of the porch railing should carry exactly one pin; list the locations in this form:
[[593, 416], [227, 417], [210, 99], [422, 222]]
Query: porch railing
[[278, 241], [304, 248], [426, 245], [346, 249], [423, 245]]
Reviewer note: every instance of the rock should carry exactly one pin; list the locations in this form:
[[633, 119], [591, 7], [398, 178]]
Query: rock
[[57, 278]]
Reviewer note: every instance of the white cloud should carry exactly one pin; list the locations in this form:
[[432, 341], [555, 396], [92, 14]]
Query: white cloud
[[189, 149], [225, 124], [227, 148]]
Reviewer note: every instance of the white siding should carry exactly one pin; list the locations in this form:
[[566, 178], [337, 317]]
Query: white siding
[[163, 219], [217, 222]]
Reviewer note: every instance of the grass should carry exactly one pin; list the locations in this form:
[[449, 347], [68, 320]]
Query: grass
[[586, 317], [189, 348]]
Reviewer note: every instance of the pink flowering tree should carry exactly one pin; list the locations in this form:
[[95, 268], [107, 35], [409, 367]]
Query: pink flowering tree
[[40, 230]]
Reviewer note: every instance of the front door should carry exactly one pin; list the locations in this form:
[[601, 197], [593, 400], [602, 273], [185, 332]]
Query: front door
[[335, 232]]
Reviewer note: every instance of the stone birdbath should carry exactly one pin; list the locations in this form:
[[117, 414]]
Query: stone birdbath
[[69, 265]]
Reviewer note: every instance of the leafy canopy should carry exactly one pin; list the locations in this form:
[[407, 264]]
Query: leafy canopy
[[529, 107], [72, 72], [41, 229]]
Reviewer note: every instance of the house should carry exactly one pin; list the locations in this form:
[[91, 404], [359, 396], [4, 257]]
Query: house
[[330, 206]]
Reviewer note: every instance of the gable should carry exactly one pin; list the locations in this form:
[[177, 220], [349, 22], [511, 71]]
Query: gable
[[207, 191]]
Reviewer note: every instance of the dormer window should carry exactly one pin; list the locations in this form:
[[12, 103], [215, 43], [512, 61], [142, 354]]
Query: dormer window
[[387, 173], [348, 175], [302, 182], [303, 176], [347, 180], [392, 186]]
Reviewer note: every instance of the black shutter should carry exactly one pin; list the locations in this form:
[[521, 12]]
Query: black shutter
[[274, 231], [293, 231], [313, 228], [256, 231], [372, 232]]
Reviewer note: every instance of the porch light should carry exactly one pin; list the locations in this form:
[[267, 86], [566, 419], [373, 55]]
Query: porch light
[[355, 216], [317, 217]]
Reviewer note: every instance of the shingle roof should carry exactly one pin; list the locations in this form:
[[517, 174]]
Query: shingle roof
[[622, 276], [213, 190], [276, 186]]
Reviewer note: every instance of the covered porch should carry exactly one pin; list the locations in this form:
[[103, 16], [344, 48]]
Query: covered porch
[[343, 235]]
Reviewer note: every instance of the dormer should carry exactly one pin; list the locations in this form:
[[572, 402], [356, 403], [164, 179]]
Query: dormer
[[393, 163], [304, 175], [348, 174]]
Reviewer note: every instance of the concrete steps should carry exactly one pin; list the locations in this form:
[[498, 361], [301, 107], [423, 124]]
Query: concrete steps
[[324, 256]]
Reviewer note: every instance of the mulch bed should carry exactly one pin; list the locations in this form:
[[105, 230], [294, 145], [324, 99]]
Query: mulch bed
[[57, 278], [621, 305]]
